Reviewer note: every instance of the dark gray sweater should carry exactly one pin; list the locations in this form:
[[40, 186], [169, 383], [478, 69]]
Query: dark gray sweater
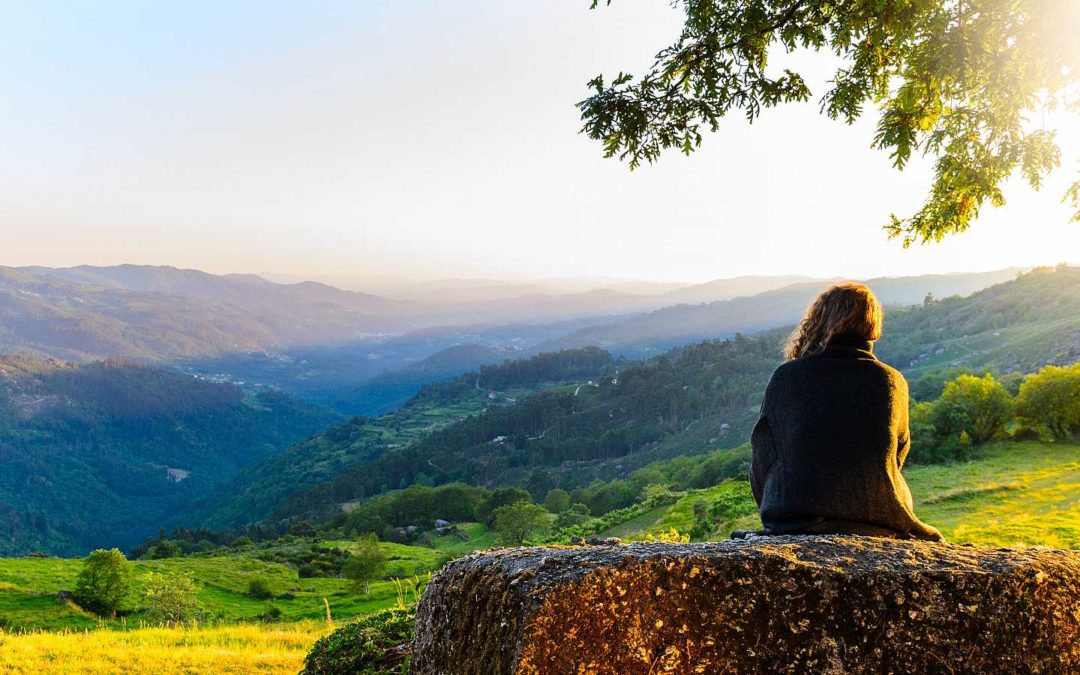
[[830, 444]]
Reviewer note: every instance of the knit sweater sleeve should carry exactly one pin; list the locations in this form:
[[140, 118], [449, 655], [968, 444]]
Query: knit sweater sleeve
[[763, 454], [903, 445]]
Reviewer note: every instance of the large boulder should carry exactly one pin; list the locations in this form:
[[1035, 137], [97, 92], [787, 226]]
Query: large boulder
[[806, 604]]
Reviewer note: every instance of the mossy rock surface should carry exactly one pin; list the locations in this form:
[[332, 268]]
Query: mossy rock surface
[[818, 604]]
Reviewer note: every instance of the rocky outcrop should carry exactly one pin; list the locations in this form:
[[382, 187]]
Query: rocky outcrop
[[769, 605]]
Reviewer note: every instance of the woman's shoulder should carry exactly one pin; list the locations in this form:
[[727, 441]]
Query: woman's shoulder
[[812, 366]]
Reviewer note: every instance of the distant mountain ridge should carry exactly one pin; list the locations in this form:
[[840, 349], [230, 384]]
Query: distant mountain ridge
[[165, 314], [237, 289], [684, 324]]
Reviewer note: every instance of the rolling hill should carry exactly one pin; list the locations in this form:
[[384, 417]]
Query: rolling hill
[[697, 398], [165, 314], [256, 493], [683, 324], [106, 453]]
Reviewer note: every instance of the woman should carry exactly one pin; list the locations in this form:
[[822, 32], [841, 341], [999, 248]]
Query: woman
[[833, 433]]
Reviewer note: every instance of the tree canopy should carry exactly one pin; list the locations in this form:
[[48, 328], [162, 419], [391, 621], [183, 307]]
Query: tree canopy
[[104, 582], [965, 81]]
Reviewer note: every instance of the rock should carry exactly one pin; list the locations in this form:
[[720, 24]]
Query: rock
[[812, 604], [64, 595], [596, 541]]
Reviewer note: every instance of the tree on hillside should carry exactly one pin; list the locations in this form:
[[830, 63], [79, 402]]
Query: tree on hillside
[[1051, 399], [366, 562], [519, 521], [966, 81], [977, 406], [103, 582], [557, 500], [171, 598]]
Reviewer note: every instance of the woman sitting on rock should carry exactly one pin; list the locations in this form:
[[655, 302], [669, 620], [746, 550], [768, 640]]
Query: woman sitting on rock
[[833, 433]]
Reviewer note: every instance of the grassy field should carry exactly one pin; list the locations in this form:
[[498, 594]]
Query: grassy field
[[1012, 494], [229, 649], [29, 587], [1015, 494]]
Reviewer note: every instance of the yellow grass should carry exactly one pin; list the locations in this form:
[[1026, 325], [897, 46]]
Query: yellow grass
[[232, 649]]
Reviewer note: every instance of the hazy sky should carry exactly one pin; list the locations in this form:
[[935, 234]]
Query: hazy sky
[[431, 139]]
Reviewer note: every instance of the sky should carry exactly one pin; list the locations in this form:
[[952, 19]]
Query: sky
[[434, 139]]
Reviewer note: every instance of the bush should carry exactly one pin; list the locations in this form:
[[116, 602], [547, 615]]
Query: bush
[[979, 406], [376, 644], [259, 588], [103, 582], [557, 500], [519, 521], [273, 614], [170, 599], [163, 549], [366, 562], [1050, 400]]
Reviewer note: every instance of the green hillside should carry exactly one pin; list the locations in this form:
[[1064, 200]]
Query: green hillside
[[701, 397], [256, 494], [106, 453]]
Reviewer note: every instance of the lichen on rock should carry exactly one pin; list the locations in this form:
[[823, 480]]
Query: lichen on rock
[[827, 604]]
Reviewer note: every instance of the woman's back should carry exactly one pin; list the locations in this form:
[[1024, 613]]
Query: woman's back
[[831, 441]]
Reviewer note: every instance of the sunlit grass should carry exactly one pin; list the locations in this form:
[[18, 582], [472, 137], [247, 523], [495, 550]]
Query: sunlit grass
[[1014, 494], [1011, 494], [233, 649], [29, 587]]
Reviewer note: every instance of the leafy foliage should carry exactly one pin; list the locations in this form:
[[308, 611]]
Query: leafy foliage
[[519, 521], [170, 598], [259, 588], [373, 645], [1050, 399], [366, 562], [104, 582], [957, 79]]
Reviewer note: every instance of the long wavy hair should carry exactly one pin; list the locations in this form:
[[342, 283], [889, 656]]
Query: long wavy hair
[[845, 309]]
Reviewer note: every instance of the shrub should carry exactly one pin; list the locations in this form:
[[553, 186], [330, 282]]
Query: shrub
[[979, 406], [519, 521], [259, 588], [103, 582], [365, 563], [163, 549], [557, 500], [1050, 400], [170, 598], [375, 644], [273, 614]]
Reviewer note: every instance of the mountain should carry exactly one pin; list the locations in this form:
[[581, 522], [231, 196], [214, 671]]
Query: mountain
[[106, 453], [353, 445], [697, 398], [544, 304], [236, 289], [683, 324], [161, 313], [736, 287], [389, 390]]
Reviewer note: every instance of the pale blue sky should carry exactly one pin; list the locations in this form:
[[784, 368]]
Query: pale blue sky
[[429, 139]]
